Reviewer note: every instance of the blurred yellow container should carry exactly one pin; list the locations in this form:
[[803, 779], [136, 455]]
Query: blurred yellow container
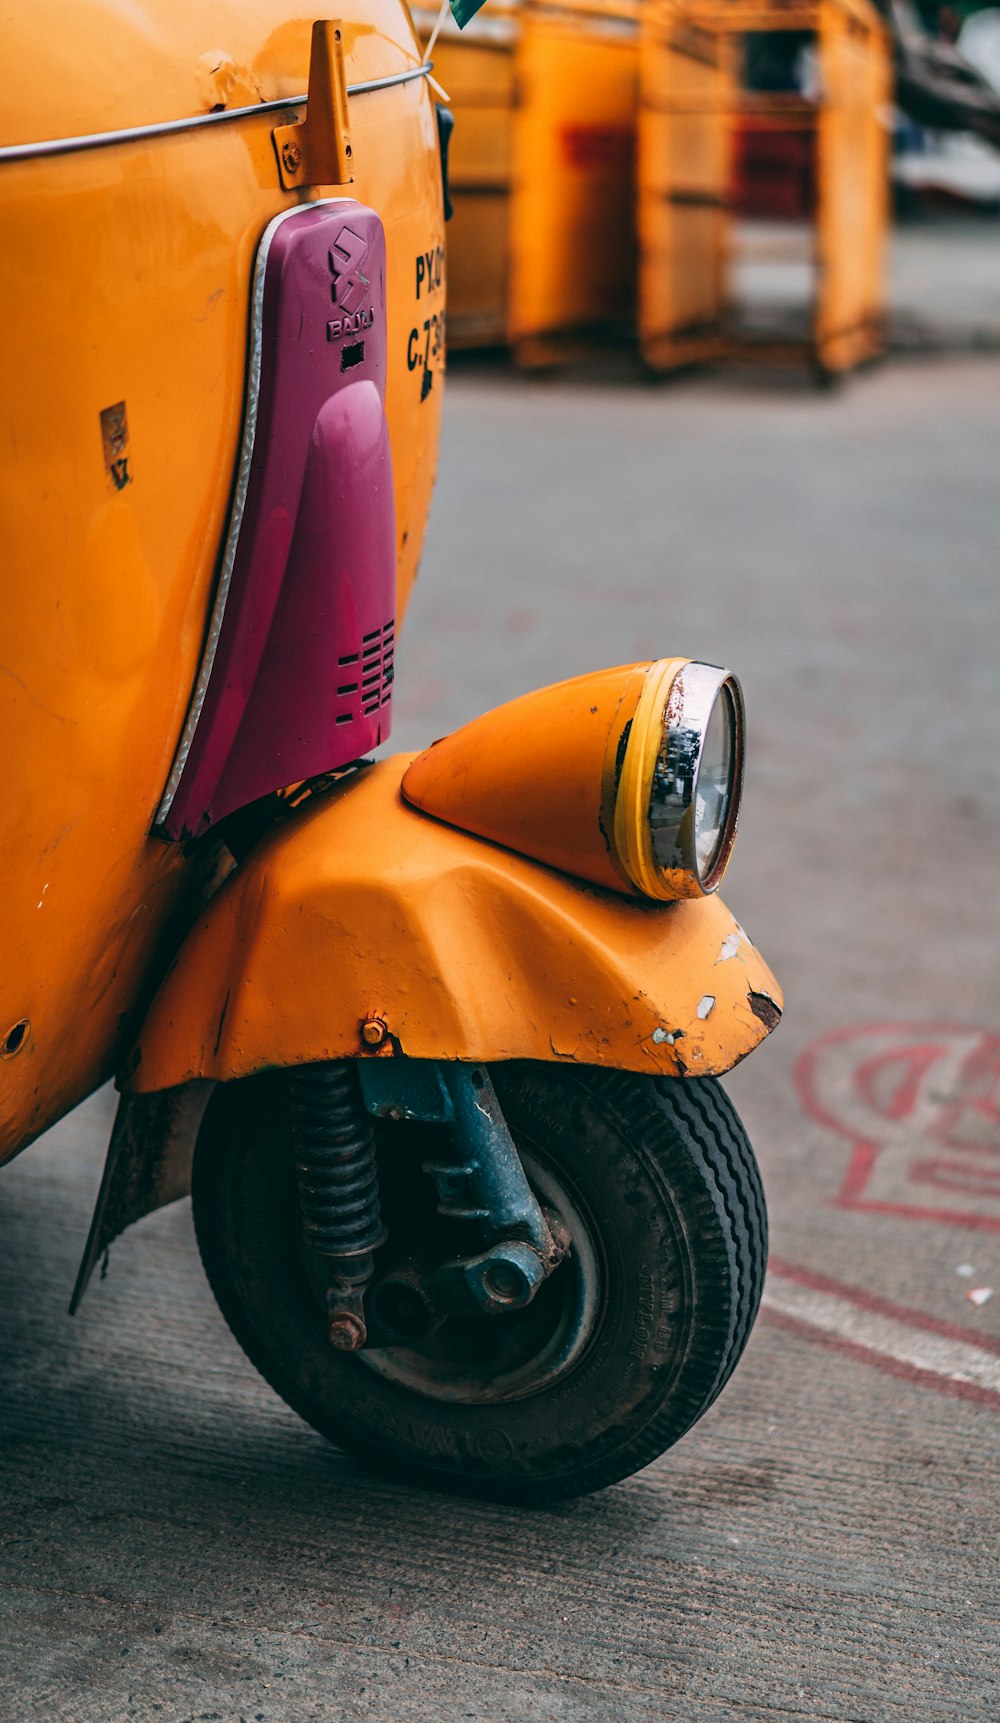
[[542, 246], [691, 106]]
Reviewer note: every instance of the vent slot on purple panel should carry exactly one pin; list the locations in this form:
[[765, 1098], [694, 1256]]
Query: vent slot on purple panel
[[374, 666]]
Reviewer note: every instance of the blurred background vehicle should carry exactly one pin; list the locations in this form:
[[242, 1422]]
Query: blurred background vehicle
[[701, 179], [542, 243]]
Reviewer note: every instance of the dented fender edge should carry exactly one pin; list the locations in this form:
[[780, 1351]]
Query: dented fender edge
[[365, 928]]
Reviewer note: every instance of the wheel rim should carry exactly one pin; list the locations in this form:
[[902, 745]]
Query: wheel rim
[[484, 1360]]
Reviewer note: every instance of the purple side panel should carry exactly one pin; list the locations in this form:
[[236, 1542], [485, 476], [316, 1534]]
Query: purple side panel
[[302, 675], [322, 692]]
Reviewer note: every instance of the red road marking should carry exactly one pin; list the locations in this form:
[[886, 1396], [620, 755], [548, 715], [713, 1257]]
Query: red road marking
[[919, 1104]]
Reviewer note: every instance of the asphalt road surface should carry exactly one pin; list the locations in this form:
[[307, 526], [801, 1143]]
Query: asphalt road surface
[[824, 1544]]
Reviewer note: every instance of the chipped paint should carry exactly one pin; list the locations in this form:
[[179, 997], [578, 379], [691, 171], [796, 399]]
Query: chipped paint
[[765, 1009], [706, 1005], [731, 945], [222, 1019], [394, 904]]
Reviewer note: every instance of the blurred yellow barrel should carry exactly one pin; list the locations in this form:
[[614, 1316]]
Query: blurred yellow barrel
[[693, 111], [542, 245]]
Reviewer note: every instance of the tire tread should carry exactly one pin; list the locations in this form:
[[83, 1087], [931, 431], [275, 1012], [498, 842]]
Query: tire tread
[[690, 1139]]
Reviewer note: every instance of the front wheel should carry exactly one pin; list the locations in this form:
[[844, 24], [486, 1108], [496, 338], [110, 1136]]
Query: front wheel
[[622, 1349]]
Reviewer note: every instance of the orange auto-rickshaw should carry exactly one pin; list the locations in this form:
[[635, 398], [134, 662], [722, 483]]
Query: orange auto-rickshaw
[[542, 253], [432, 1040]]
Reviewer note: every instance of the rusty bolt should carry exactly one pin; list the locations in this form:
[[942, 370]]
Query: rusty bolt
[[347, 1332], [373, 1031], [291, 156]]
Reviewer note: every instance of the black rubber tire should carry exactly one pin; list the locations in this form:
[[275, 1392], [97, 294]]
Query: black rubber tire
[[669, 1186]]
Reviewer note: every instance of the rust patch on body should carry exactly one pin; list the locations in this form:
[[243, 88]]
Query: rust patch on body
[[114, 441]]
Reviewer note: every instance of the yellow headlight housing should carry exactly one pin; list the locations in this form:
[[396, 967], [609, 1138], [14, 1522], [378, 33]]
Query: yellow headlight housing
[[630, 777]]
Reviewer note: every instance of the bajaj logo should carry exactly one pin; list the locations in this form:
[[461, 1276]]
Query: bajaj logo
[[350, 286]]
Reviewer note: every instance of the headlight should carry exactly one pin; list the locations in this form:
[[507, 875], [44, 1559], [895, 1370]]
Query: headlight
[[681, 779], [628, 777]]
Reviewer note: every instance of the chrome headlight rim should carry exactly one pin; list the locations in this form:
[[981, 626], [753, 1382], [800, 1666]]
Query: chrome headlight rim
[[656, 812], [696, 692]]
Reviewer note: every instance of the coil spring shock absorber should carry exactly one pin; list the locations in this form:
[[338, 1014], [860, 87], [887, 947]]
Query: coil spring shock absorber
[[338, 1189]]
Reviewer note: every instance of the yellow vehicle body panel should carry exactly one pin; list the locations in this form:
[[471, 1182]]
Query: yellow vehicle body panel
[[405, 936], [688, 82], [573, 246], [853, 145], [541, 248], [690, 104], [476, 69], [124, 293]]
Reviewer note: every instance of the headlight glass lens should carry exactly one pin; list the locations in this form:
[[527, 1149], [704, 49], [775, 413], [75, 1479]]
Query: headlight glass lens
[[715, 782], [694, 793]]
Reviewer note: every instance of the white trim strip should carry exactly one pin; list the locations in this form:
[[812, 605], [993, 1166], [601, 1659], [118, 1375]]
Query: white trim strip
[[166, 128]]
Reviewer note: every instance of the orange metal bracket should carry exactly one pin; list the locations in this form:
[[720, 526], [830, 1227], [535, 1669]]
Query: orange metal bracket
[[317, 150]]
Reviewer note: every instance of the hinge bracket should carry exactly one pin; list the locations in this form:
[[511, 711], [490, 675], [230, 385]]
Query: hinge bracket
[[317, 151]]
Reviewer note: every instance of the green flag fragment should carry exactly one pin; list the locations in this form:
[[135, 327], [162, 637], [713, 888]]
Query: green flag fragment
[[463, 10]]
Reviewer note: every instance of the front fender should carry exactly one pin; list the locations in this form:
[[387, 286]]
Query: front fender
[[361, 908]]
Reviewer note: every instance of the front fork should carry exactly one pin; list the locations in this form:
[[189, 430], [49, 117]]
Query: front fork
[[332, 1107]]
